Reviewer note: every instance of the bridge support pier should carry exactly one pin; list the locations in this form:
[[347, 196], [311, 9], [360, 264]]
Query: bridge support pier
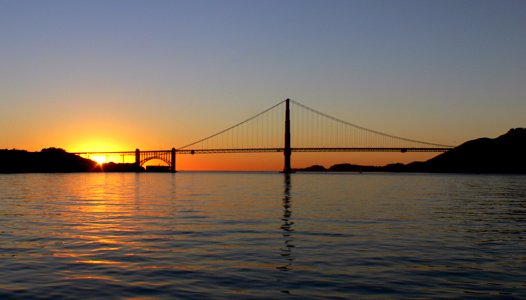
[[137, 158], [287, 151], [172, 161]]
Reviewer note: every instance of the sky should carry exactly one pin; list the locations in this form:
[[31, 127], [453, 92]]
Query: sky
[[119, 75]]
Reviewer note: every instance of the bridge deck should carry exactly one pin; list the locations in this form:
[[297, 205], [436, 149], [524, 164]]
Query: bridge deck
[[260, 150], [356, 149]]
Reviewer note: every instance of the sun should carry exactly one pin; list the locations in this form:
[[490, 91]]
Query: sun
[[99, 159]]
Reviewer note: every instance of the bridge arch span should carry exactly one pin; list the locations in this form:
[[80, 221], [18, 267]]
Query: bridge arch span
[[142, 157], [144, 161]]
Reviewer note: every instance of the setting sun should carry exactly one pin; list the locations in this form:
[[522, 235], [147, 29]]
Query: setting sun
[[99, 159]]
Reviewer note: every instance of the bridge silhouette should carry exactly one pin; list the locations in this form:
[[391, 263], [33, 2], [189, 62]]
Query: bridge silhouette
[[286, 127]]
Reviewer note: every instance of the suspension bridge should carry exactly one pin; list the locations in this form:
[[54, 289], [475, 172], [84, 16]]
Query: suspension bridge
[[286, 127]]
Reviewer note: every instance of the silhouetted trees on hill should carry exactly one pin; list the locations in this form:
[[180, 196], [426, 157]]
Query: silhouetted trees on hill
[[56, 160], [48, 160]]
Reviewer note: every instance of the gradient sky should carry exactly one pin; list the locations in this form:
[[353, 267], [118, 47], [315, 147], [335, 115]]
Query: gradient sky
[[120, 75]]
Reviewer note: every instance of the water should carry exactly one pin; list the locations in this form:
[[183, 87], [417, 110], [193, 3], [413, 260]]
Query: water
[[262, 236]]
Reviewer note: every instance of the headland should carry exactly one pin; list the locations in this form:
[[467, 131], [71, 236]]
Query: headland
[[504, 154]]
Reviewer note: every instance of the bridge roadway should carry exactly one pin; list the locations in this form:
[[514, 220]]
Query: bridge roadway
[[260, 150], [169, 156]]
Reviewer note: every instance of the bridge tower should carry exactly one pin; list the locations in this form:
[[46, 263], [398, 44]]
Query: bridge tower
[[287, 151]]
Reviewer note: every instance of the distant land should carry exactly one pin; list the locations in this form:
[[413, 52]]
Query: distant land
[[504, 154], [55, 160], [49, 160]]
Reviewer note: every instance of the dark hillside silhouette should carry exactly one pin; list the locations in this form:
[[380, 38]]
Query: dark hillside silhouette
[[48, 160], [505, 154]]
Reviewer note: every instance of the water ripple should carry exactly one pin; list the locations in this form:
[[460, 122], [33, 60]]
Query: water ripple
[[205, 235]]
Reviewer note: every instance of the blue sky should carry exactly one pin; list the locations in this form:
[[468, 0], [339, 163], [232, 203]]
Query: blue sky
[[171, 72]]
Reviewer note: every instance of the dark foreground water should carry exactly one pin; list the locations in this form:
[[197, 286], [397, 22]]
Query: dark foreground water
[[262, 235]]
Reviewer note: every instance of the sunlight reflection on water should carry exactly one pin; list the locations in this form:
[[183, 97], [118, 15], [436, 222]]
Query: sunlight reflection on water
[[262, 235]]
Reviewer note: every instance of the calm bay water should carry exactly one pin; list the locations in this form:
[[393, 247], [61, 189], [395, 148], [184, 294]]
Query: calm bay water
[[262, 235]]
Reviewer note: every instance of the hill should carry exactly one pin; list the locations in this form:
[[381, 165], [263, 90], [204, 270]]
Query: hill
[[504, 154], [48, 160]]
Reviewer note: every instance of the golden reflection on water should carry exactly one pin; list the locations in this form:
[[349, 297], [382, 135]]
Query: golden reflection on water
[[100, 262], [114, 222], [106, 223]]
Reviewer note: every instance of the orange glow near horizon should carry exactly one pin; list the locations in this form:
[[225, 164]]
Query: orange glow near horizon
[[100, 159], [274, 161], [97, 146], [249, 161]]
